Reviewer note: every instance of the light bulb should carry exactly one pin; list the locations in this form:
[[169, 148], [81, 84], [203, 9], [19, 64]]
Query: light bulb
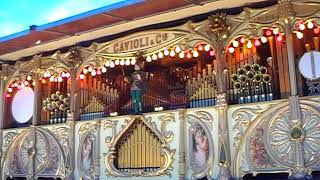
[[189, 55], [63, 74], [316, 30], [107, 63], [257, 42], [99, 72], [279, 38], [166, 52], [195, 54], [249, 44], [122, 62], [90, 68], [10, 90], [51, 78], [177, 49], [200, 47], [160, 55], [133, 61], [117, 62], [85, 71], [263, 39], [211, 53], [112, 64], [154, 57], [268, 32], [93, 72], [60, 79], [299, 35], [29, 77], [81, 76], [310, 25], [275, 30], [127, 62], [207, 47], [243, 40], [67, 75], [149, 59], [26, 83], [103, 69], [172, 53], [231, 49], [235, 43], [181, 54], [302, 26]]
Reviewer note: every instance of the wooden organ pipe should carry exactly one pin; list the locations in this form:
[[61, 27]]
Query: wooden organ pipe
[[139, 149]]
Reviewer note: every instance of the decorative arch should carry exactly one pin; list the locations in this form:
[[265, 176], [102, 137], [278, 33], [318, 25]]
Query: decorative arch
[[268, 143], [124, 157], [51, 159]]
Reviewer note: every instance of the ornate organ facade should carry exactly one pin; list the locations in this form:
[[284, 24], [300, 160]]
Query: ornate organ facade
[[232, 96]]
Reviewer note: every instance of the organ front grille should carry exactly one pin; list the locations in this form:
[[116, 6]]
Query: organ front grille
[[139, 149]]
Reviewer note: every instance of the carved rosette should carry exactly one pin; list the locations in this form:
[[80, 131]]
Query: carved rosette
[[165, 137], [284, 132], [201, 147]]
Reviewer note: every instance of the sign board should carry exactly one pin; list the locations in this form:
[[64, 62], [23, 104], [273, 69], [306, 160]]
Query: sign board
[[140, 42]]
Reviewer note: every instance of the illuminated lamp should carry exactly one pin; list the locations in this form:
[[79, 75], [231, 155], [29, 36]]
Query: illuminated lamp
[[299, 35], [81, 76], [93, 73], [112, 64], [103, 69], [231, 49], [10, 90], [235, 43], [316, 30], [172, 53], [26, 83], [12, 85], [275, 31], [195, 53], [302, 26], [181, 54], [16, 84], [177, 49], [154, 57], [22, 85], [268, 32], [107, 63], [127, 62], [133, 61], [207, 47], [63, 74], [8, 95], [29, 77], [189, 55], [60, 79], [43, 81], [263, 39], [310, 25], [19, 87], [149, 59], [51, 79], [90, 68], [166, 52], [249, 44], [257, 42], [85, 71], [99, 72], [200, 47], [33, 83], [243, 40], [55, 79], [67, 75], [211, 53], [122, 62], [160, 55], [117, 62], [280, 38]]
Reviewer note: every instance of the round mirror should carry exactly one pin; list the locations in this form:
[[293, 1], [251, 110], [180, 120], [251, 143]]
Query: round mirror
[[22, 105], [309, 65]]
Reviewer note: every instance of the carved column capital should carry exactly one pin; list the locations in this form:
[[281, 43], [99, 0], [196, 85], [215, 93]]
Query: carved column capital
[[221, 102]]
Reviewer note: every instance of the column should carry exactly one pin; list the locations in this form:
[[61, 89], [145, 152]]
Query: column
[[97, 153], [2, 109], [222, 108], [182, 145], [294, 103]]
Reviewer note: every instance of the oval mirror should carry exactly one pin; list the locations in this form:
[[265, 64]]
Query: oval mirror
[[22, 105]]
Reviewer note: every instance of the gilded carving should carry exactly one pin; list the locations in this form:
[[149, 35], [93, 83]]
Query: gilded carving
[[166, 153]]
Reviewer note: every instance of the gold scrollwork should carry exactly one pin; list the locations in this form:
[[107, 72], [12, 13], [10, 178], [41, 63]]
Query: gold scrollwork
[[167, 135], [166, 153], [110, 124]]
